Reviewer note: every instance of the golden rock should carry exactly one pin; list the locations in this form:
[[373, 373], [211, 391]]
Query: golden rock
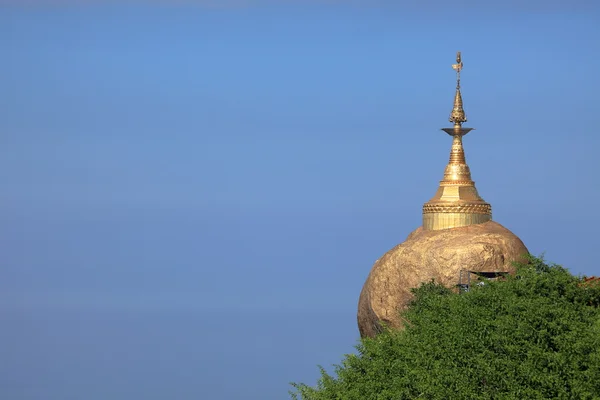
[[432, 254]]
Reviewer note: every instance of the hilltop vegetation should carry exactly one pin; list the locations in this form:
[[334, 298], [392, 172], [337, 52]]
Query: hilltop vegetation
[[535, 335]]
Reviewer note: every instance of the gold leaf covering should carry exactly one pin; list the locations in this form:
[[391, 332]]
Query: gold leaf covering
[[456, 202]]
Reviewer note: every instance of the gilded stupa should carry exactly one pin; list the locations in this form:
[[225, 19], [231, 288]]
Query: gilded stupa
[[457, 240], [456, 202]]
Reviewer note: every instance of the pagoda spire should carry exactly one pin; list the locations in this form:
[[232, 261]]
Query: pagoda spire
[[456, 202]]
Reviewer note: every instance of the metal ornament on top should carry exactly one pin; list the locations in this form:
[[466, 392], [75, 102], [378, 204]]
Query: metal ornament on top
[[456, 202]]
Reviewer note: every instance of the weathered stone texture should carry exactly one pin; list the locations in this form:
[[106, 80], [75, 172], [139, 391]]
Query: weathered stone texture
[[440, 255]]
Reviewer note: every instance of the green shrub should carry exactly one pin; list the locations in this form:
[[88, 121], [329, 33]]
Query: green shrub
[[534, 335]]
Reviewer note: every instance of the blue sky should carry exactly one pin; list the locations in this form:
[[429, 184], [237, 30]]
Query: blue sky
[[194, 192]]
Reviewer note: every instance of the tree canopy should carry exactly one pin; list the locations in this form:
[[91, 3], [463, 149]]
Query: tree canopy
[[533, 335]]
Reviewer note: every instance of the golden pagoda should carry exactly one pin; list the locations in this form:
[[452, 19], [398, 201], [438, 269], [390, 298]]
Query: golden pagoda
[[457, 242], [456, 202]]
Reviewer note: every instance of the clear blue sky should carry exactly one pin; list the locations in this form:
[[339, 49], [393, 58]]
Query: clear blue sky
[[194, 194]]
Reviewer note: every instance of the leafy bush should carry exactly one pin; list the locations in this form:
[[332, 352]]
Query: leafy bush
[[533, 335]]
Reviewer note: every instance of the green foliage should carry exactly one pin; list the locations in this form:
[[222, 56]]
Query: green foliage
[[534, 335]]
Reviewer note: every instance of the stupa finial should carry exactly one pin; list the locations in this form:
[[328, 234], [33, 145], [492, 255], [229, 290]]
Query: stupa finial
[[458, 115]]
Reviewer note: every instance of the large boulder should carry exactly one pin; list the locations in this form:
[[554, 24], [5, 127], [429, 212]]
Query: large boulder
[[433, 254]]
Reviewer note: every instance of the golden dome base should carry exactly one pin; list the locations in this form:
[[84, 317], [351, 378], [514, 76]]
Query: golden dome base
[[435, 221]]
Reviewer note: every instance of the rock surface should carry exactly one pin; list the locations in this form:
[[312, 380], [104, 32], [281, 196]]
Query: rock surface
[[440, 255]]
